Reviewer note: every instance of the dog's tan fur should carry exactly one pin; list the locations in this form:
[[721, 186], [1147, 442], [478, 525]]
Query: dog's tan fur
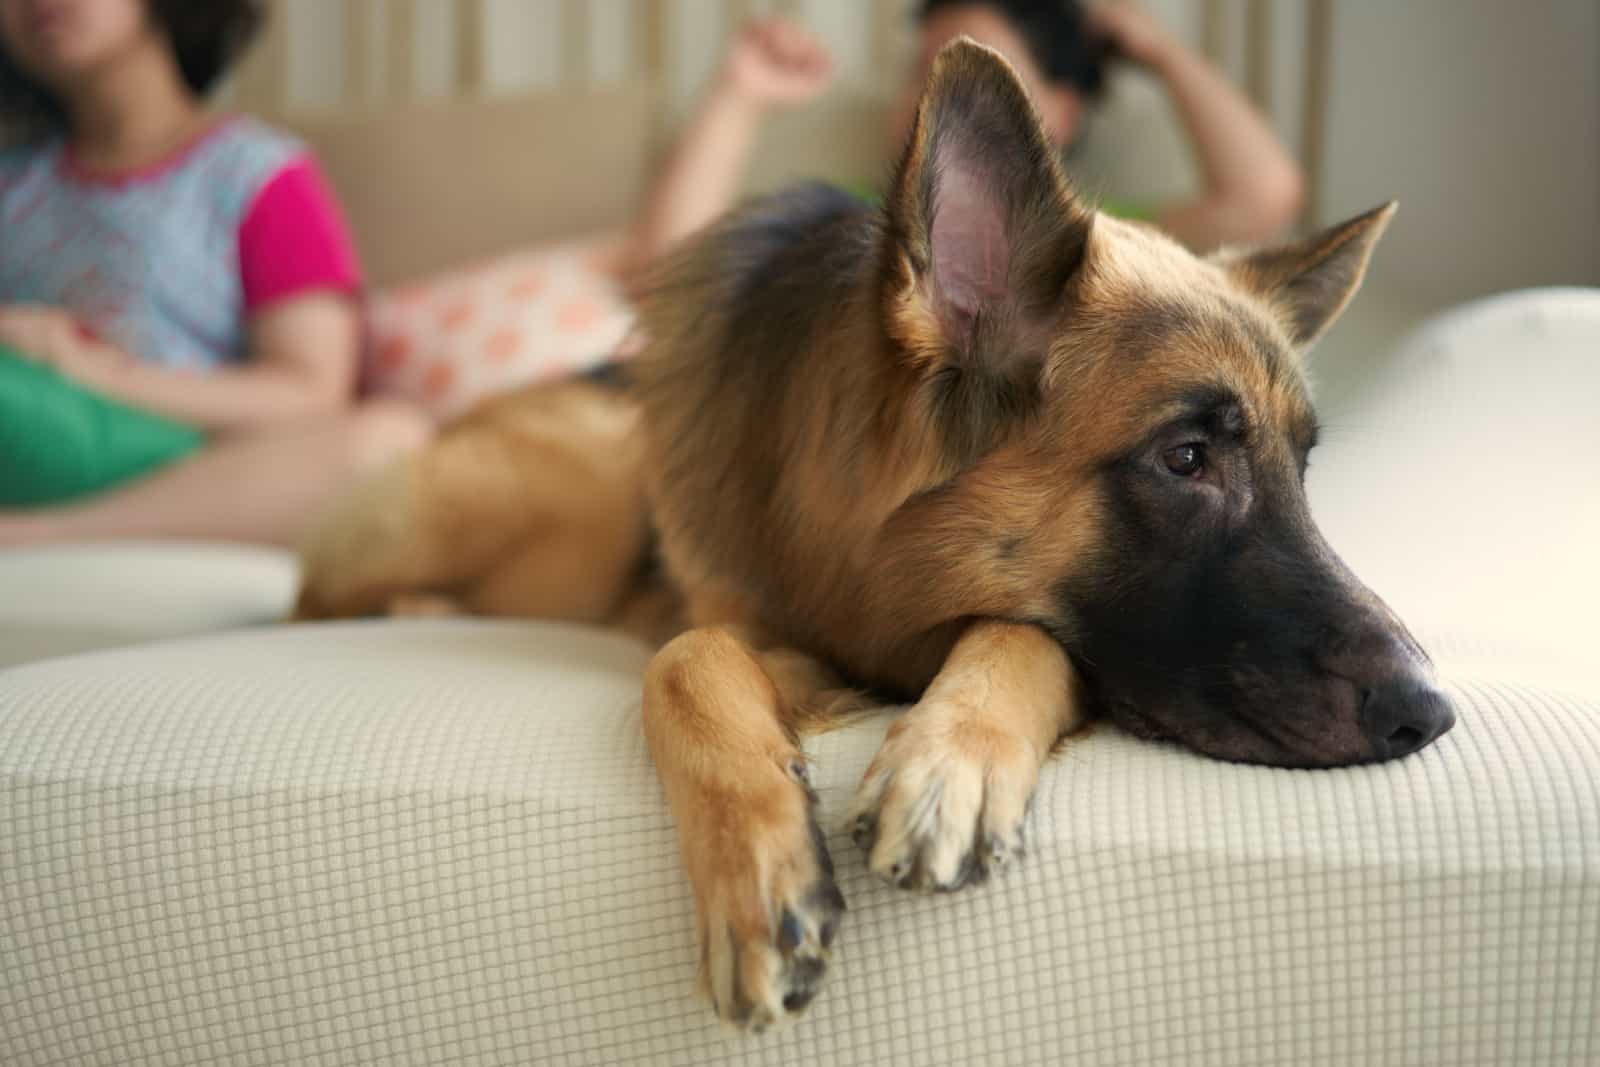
[[839, 519]]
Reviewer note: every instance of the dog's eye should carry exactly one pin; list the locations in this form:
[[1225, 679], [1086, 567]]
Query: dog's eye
[[1185, 461]]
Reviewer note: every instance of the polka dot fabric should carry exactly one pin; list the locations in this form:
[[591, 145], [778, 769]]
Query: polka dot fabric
[[451, 341]]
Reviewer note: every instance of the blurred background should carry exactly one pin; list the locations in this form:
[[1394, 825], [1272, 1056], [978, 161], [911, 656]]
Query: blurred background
[[1482, 117], [510, 170]]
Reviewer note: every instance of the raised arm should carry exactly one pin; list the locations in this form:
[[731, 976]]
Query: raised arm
[[771, 62], [1253, 187]]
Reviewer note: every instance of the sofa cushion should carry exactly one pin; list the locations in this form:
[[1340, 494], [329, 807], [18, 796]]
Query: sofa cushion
[[60, 599], [443, 842], [1463, 485]]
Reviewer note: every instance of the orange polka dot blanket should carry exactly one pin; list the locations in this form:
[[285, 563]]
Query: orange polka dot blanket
[[544, 313]]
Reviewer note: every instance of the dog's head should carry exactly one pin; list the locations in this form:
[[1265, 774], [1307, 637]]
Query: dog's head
[[1126, 429]]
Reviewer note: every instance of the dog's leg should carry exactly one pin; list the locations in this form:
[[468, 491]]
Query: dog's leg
[[943, 803], [534, 507], [722, 721]]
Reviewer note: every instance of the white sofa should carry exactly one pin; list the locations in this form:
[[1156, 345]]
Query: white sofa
[[441, 842], [76, 598]]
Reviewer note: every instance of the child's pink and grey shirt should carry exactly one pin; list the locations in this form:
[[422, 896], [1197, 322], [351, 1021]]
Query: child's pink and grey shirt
[[170, 262]]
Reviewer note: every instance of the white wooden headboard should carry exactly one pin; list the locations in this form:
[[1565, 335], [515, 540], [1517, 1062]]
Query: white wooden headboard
[[455, 129]]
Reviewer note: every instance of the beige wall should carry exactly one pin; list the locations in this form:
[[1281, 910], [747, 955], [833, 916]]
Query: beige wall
[[1483, 118]]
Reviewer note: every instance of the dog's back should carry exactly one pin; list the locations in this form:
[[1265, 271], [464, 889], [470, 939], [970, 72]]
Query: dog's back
[[774, 450]]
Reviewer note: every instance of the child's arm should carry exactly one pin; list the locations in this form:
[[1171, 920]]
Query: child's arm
[[1253, 187], [771, 62], [304, 353]]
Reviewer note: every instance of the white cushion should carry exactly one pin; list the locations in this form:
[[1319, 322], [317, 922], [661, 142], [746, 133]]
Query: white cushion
[[1465, 485], [59, 599], [436, 842]]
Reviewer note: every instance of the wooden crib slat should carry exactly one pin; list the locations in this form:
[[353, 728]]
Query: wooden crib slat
[[1214, 31], [1314, 101], [1258, 54], [887, 25], [470, 66], [357, 86], [401, 42], [650, 17], [264, 78], [575, 33]]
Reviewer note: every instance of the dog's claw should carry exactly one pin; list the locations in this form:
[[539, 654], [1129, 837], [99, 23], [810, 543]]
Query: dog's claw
[[790, 933], [936, 817], [995, 852], [800, 773], [772, 971], [803, 981], [797, 1001]]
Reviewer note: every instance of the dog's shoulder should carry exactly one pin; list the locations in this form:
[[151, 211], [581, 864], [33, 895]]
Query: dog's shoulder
[[729, 319], [771, 257], [803, 217]]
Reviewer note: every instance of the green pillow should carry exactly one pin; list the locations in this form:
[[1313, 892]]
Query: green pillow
[[59, 440]]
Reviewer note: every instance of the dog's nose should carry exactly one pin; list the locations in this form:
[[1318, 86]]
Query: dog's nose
[[1405, 715]]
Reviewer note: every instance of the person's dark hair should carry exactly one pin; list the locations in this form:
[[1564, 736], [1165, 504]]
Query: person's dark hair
[[1057, 36], [207, 37]]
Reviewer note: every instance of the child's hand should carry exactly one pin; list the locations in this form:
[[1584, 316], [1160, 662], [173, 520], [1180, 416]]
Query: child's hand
[[773, 61], [51, 336], [1132, 32], [41, 333]]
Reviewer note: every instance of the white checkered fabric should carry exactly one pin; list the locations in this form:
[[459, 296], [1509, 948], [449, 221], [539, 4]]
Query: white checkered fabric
[[442, 843]]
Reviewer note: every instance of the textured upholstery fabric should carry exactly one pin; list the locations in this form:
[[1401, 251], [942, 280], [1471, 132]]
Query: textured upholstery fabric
[[442, 843]]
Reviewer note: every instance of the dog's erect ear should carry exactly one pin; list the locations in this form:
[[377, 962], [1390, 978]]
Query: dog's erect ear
[[1311, 281], [985, 231]]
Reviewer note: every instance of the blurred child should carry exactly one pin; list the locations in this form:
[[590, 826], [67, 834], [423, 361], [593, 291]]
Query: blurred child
[[180, 317], [1252, 186]]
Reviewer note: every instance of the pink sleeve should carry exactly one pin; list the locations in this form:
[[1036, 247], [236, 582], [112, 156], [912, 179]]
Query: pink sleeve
[[294, 239]]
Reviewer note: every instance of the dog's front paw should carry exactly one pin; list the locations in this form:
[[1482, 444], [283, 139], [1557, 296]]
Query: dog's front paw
[[768, 906], [944, 802]]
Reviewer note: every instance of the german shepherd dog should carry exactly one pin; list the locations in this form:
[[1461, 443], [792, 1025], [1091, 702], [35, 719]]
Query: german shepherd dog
[[983, 450]]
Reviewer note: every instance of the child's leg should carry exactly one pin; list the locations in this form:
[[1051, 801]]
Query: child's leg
[[262, 487]]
